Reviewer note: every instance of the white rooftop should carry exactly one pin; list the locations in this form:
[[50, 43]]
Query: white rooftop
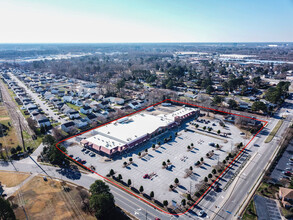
[[127, 129]]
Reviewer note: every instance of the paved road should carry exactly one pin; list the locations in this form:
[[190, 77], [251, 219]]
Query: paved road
[[122, 199], [225, 205], [35, 97]]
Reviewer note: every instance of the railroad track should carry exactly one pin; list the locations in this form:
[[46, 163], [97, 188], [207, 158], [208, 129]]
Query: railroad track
[[14, 113]]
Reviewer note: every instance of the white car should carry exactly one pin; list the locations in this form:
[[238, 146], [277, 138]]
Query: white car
[[201, 213]]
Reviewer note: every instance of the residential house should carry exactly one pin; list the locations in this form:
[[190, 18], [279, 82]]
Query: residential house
[[53, 99], [68, 126], [104, 104], [31, 107], [76, 101], [72, 114], [86, 110], [244, 105], [87, 102], [67, 98], [61, 93], [47, 95], [54, 91], [42, 120], [91, 117], [115, 100], [58, 104], [134, 105], [34, 114], [80, 123], [286, 197]]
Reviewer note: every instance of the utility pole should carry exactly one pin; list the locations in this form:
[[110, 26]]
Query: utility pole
[[190, 187], [23, 145]]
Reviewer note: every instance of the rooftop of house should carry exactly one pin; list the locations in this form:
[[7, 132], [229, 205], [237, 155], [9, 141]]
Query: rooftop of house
[[68, 124], [86, 108], [286, 192], [41, 118]]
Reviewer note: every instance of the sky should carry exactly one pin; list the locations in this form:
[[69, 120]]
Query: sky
[[120, 21]]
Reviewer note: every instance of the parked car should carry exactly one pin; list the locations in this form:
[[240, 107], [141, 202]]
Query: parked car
[[146, 176], [83, 150], [216, 188], [87, 151], [201, 213]]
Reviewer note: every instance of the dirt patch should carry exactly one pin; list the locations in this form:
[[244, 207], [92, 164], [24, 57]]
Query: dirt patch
[[48, 200], [11, 179]]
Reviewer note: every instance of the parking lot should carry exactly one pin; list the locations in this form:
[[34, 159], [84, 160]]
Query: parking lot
[[284, 168], [176, 151]]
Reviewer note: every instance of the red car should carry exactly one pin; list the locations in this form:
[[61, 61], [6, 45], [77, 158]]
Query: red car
[[146, 176]]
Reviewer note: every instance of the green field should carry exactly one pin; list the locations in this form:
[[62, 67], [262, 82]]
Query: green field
[[274, 131]]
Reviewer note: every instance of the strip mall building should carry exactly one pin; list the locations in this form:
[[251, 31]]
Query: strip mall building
[[129, 132]]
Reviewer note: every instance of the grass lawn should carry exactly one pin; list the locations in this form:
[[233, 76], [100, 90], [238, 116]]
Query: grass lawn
[[10, 140], [250, 212], [28, 142], [77, 108], [286, 213], [267, 190], [48, 198], [11, 179], [274, 131]]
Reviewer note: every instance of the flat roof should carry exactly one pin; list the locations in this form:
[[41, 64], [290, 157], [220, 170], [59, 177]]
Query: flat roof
[[125, 130]]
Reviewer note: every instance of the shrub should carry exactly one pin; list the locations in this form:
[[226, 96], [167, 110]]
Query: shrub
[[141, 189], [176, 181], [188, 196], [165, 203]]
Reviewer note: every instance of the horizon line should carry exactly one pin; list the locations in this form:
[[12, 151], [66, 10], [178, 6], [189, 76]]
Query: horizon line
[[212, 42]]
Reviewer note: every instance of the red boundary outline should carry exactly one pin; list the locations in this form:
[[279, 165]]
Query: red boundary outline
[[142, 199]]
